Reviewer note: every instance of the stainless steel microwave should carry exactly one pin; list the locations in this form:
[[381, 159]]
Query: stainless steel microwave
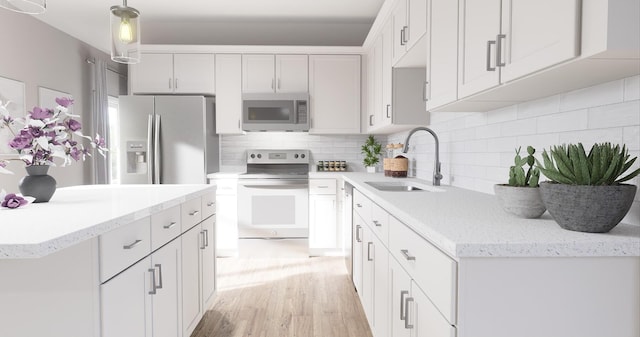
[[275, 112]]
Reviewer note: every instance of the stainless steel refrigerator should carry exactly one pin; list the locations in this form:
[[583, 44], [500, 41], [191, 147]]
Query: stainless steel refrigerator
[[167, 139]]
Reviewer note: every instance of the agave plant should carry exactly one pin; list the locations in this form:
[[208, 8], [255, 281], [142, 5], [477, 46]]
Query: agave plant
[[517, 176], [605, 163]]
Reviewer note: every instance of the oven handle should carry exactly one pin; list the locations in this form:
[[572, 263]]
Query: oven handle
[[279, 187]]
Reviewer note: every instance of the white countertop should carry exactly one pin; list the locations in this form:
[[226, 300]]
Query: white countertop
[[78, 213], [465, 223]]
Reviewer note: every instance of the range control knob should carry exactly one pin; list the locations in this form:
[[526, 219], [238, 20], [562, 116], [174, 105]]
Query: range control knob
[[295, 156], [259, 156], [253, 156], [302, 155]]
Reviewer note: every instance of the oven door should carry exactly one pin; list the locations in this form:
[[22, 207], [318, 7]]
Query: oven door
[[273, 208]]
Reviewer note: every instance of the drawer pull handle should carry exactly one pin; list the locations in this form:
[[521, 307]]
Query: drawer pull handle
[[132, 245], [325, 186], [359, 206], [369, 244], [153, 281], [194, 213], [206, 238], [406, 255], [210, 203], [159, 266], [358, 239], [203, 235], [171, 225], [403, 316], [406, 313], [378, 224]]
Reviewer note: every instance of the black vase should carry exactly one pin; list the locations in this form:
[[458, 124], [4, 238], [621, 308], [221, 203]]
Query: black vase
[[38, 183]]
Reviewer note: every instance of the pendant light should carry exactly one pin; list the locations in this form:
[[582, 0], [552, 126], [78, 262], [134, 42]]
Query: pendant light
[[125, 34], [25, 6]]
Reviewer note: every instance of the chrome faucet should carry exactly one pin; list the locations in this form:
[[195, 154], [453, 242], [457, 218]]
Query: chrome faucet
[[437, 176]]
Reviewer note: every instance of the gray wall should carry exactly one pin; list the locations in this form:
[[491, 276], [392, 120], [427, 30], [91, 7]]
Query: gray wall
[[39, 55]]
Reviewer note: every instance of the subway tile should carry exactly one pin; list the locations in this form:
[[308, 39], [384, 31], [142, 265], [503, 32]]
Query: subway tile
[[601, 94], [509, 113], [476, 146], [563, 121], [633, 216], [502, 144], [518, 128], [497, 173], [632, 88], [475, 119], [622, 114], [539, 142], [464, 134], [540, 107], [590, 137], [489, 131], [631, 137]]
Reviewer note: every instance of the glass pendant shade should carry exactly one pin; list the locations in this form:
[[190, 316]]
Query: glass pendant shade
[[25, 6], [125, 34]]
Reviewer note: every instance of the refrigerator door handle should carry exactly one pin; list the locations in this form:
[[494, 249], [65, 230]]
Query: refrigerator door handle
[[150, 147], [156, 151]]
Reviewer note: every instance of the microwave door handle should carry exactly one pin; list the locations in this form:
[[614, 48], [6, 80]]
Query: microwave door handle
[[295, 112]]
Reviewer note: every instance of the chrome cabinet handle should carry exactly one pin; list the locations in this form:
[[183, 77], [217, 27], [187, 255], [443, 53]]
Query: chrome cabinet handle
[[210, 203], [369, 244], [402, 36], [406, 313], [170, 82], [388, 107], [406, 255], [499, 61], [371, 120], [171, 225], [176, 86], [424, 91], [278, 84], [194, 213], [153, 281], [402, 313], [489, 67], [206, 238], [359, 205], [202, 236], [378, 224], [273, 81], [159, 266], [132, 245], [358, 239]]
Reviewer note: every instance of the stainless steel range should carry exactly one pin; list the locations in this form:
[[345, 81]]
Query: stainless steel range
[[273, 196]]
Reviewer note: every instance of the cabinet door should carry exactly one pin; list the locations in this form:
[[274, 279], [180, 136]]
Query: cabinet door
[[208, 257], [400, 291], [228, 76], [194, 73], [191, 309], [368, 276], [374, 92], [387, 73], [479, 28], [292, 73], [399, 17], [417, 21], [166, 300], [357, 244], [154, 75], [258, 73], [442, 51], [334, 90], [530, 46], [322, 222], [227, 224], [381, 306], [126, 302], [425, 318]]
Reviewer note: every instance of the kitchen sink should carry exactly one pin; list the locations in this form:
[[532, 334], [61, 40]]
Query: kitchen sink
[[399, 186]]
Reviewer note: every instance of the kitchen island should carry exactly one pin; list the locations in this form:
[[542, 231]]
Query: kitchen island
[[108, 260], [453, 263]]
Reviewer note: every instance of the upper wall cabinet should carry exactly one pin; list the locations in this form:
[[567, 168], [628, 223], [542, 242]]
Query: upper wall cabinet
[[165, 73], [334, 92], [409, 25], [229, 93], [490, 55], [275, 73]]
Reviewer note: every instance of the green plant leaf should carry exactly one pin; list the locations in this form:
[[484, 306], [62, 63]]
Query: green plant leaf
[[606, 178], [629, 176], [564, 164], [585, 169], [575, 164], [594, 158], [556, 176]]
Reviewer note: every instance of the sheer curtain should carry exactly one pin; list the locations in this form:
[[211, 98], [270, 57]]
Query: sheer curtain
[[100, 119]]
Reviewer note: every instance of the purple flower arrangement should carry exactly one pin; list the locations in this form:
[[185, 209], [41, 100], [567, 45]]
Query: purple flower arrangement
[[12, 200], [47, 134]]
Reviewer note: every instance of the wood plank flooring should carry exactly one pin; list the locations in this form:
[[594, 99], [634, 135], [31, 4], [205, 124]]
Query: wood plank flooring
[[276, 293]]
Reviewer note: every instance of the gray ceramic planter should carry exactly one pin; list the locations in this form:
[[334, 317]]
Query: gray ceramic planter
[[593, 209], [524, 202]]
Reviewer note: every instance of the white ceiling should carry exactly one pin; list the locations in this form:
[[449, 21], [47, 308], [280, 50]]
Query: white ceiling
[[222, 22]]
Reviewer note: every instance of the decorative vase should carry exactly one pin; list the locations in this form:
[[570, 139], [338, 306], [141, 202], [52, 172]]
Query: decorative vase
[[584, 208], [523, 202], [371, 169], [38, 183]]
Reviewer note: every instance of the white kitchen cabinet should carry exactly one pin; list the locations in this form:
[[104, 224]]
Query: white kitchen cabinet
[[442, 53], [409, 26], [387, 73], [374, 70], [165, 264], [357, 244], [274, 73], [368, 276], [334, 90], [198, 273], [167, 73], [399, 18], [503, 40], [323, 224], [229, 94], [226, 216]]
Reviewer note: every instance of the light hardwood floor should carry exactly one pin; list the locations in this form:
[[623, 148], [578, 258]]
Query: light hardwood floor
[[274, 290]]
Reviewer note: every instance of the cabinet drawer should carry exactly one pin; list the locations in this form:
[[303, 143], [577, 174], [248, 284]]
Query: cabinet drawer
[[433, 271], [124, 246], [191, 213], [322, 186], [380, 223], [208, 205], [362, 206], [165, 226]]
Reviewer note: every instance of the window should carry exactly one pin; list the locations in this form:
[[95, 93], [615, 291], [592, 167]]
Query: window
[[114, 140]]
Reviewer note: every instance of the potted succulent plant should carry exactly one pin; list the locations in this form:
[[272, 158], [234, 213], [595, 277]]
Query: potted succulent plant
[[371, 151], [521, 196], [586, 193]]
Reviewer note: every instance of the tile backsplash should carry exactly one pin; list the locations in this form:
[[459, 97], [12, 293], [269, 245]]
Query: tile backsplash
[[322, 147], [477, 148]]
